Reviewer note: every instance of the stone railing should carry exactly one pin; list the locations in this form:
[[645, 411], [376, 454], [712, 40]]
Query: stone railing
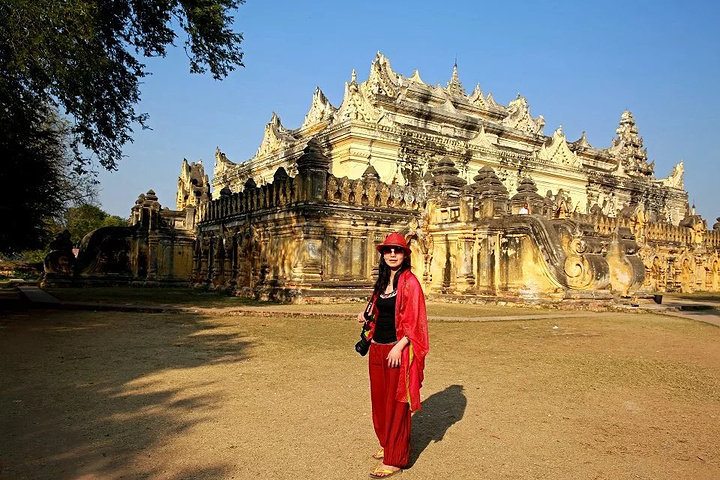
[[365, 192], [371, 192], [712, 240], [279, 193], [668, 233], [603, 224]]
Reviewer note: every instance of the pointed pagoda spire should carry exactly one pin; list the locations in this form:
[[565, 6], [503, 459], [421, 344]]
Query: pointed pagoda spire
[[476, 97], [628, 146], [416, 77], [320, 110], [454, 86], [370, 172], [582, 142]]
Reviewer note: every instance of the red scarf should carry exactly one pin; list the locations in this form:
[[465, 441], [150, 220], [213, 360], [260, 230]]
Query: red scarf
[[411, 322]]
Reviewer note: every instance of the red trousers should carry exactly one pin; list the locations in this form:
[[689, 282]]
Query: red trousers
[[391, 418]]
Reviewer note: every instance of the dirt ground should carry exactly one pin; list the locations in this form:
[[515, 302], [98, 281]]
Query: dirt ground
[[106, 395]]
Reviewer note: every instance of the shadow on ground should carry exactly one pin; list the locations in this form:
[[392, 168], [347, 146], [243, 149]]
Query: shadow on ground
[[439, 412], [93, 406]]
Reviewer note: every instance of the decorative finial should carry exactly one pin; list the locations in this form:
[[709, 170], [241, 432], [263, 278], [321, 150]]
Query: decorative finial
[[353, 76], [454, 86]]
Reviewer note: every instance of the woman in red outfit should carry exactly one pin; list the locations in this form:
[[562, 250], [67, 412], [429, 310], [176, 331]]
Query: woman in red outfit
[[397, 324]]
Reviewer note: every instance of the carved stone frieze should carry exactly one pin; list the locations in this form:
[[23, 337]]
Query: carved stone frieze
[[519, 117], [675, 179], [320, 111], [276, 137], [558, 151], [355, 106], [193, 184]]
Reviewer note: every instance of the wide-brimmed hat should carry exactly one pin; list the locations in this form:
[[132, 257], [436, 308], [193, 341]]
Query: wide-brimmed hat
[[394, 240]]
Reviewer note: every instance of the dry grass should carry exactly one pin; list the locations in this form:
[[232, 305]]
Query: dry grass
[[120, 395]]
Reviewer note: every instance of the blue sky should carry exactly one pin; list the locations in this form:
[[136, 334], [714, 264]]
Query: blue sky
[[579, 64]]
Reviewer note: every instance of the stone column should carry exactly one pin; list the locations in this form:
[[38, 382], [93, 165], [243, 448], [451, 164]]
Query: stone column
[[357, 258], [152, 257], [204, 260], [228, 263], [465, 265], [234, 260], [309, 266], [497, 263]]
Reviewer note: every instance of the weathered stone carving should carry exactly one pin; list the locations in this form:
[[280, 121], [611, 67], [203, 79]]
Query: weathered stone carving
[[383, 80], [454, 86], [60, 260], [193, 184], [519, 117], [675, 179], [276, 137], [558, 151], [354, 105], [628, 148], [527, 198], [320, 111]]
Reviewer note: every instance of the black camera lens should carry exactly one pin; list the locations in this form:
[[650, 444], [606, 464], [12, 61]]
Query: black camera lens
[[362, 346]]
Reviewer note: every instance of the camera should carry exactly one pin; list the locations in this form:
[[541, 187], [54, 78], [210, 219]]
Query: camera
[[363, 345]]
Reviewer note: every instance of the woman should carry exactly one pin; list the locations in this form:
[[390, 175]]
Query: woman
[[397, 324]]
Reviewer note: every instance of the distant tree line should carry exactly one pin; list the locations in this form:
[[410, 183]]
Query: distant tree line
[[79, 221]]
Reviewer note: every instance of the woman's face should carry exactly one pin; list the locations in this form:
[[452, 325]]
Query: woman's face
[[393, 256]]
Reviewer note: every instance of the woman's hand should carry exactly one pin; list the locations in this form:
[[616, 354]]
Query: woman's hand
[[395, 354], [361, 317]]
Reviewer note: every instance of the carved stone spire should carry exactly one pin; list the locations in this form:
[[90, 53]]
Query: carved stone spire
[[491, 194], [383, 80], [487, 184], [558, 151], [675, 179], [313, 158], [446, 178], [371, 173], [527, 196], [416, 77], [454, 86], [476, 97], [355, 105], [276, 137], [193, 184], [519, 117], [320, 111], [312, 167], [628, 147], [581, 143]]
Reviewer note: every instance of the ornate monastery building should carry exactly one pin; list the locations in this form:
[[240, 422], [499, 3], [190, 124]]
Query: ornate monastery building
[[492, 206]]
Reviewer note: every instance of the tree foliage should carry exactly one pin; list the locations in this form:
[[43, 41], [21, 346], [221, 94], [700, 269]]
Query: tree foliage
[[82, 58], [81, 220], [36, 178]]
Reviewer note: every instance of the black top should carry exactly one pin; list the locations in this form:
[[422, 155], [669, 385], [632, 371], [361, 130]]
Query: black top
[[385, 326]]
